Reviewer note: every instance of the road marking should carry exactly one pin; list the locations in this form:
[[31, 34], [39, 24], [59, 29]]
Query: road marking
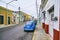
[[34, 35]]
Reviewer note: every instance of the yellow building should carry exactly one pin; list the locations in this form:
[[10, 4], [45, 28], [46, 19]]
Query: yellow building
[[27, 17], [5, 16]]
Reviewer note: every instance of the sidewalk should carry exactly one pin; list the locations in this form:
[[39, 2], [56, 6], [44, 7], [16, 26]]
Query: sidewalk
[[39, 33], [3, 26]]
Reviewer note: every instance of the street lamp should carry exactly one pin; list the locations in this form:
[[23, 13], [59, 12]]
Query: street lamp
[[19, 14], [7, 8]]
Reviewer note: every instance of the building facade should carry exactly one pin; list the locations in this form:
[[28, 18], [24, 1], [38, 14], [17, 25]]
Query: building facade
[[19, 16], [51, 18], [14, 16], [5, 16], [26, 17]]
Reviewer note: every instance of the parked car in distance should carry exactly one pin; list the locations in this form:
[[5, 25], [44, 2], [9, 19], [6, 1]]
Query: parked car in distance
[[29, 26]]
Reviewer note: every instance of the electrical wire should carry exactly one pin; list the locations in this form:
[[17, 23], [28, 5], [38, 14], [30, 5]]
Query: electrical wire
[[6, 3]]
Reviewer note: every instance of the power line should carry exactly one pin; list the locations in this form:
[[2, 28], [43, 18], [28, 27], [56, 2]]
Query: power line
[[6, 3]]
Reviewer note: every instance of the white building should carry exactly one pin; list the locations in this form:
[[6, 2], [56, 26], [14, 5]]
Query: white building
[[51, 18], [14, 18], [19, 17]]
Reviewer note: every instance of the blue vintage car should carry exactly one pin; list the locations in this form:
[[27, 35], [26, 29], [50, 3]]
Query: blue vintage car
[[29, 26]]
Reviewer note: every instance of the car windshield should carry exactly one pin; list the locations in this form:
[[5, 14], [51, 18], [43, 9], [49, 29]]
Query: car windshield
[[29, 23]]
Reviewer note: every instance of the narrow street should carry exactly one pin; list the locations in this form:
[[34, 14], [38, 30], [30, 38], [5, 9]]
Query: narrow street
[[15, 33], [41, 18]]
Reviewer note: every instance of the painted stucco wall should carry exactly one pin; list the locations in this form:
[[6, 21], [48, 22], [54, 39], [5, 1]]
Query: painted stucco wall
[[56, 13], [19, 17], [55, 25], [27, 17], [14, 17], [3, 12], [49, 4]]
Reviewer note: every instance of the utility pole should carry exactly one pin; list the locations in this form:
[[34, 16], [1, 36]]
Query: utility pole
[[37, 9], [19, 15], [39, 15]]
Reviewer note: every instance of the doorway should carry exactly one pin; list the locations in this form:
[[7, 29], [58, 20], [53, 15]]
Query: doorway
[[8, 20], [1, 19]]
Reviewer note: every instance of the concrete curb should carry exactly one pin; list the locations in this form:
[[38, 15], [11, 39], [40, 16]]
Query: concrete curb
[[7, 27], [34, 35], [4, 26]]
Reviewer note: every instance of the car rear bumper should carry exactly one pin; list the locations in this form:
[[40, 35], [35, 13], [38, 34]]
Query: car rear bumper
[[28, 29]]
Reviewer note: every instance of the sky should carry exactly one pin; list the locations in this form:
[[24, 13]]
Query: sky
[[27, 6]]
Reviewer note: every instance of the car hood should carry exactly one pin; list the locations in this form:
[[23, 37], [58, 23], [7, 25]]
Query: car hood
[[28, 26]]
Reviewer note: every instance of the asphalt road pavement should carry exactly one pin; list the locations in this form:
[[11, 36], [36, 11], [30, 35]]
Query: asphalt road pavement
[[15, 33]]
